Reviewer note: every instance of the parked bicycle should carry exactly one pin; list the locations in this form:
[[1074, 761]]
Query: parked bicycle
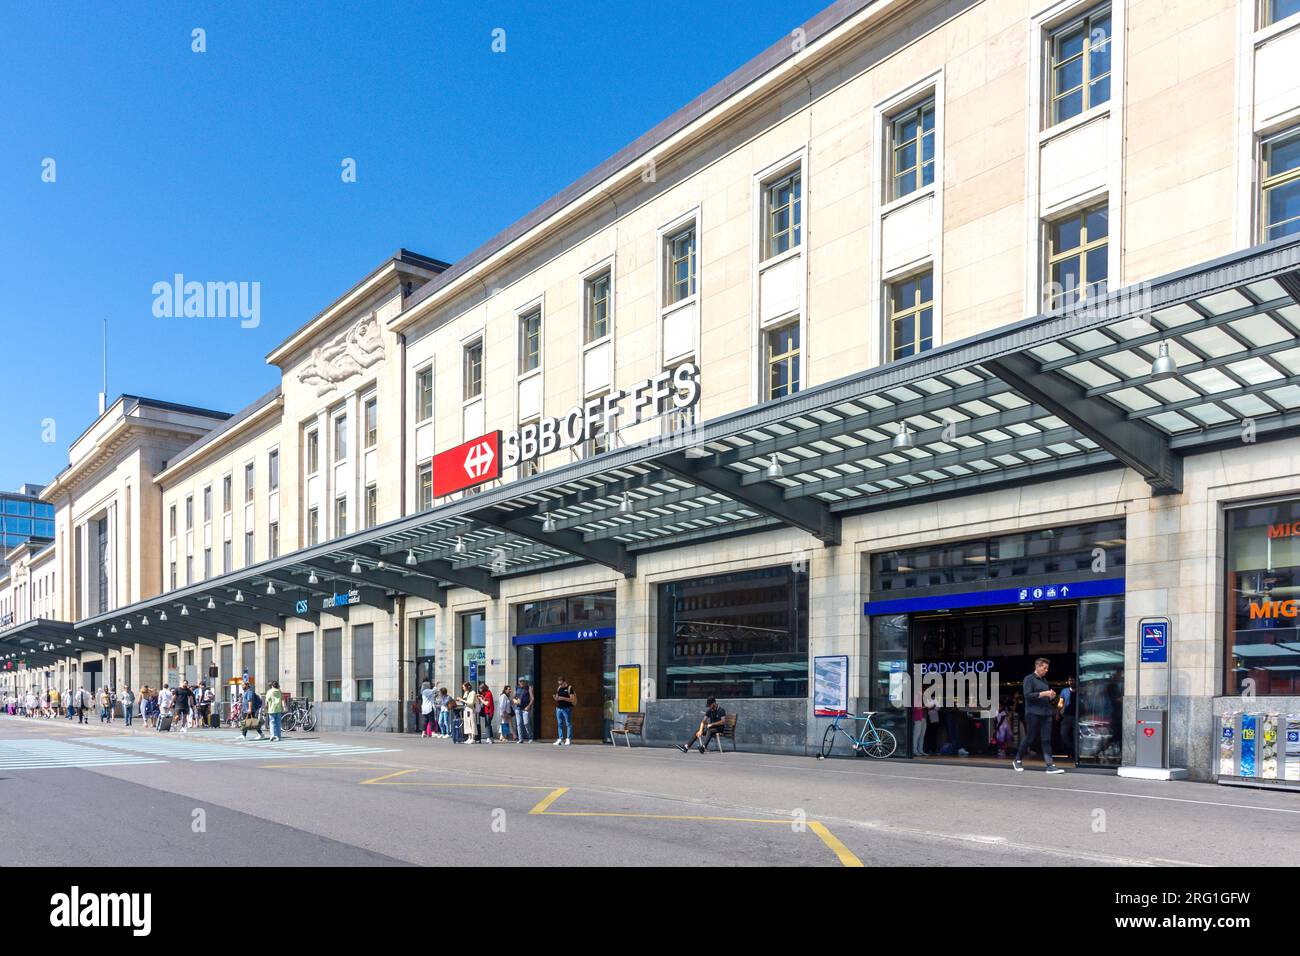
[[871, 741], [299, 715]]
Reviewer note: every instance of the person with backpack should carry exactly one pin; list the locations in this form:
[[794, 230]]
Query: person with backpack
[[252, 713], [488, 709]]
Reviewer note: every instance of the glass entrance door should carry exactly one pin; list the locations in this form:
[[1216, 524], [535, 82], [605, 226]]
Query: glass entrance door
[[1098, 709]]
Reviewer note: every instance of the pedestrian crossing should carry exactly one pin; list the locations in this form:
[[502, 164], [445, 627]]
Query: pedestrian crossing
[[55, 754], [229, 747]]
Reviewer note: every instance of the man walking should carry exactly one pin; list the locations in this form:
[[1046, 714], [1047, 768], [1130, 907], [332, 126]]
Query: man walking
[[184, 700], [1038, 717]]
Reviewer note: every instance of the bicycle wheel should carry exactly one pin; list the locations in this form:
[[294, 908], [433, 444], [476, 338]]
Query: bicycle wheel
[[309, 721], [882, 746], [828, 740], [290, 720]]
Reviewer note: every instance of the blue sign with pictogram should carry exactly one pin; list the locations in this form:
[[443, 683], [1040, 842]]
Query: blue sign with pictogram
[[1155, 642]]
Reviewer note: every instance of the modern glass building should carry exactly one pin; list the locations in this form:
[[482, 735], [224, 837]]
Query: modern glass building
[[23, 516]]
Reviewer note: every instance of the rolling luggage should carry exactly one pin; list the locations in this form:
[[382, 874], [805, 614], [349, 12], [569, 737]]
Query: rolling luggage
[[165, 723], [214, 720]]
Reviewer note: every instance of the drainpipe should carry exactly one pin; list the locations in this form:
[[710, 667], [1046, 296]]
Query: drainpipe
[[401, 484]]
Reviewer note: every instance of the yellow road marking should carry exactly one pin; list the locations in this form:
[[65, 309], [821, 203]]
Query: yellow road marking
[[319, 766], [839, 849], [549, 799], [390, 776]]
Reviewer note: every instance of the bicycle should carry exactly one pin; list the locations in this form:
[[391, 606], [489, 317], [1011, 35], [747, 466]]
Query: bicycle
[[873, 741], [300, 716]]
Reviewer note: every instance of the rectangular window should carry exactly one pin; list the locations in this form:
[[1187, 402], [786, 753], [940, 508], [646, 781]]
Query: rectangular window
[[249, 549], [1263, 545], [596, 318], [333, 646], [473, 370], [911, 142], [340, 515], [306, 665], [227, 557], [783, 219], [363, 661], [1077, 257], [598, 443], [273, 540], [680, 254], [228, 661], [207, 504], [424, 395], [734, 635], [313, 526], [783, 361], [172, 576], [250, 484], [424, 488], [1276, 10], [1281, 184], [911, 315], [273, 471], [171, 521], [530, 341], [372, 505], [341, 438], [207, 563], [313, 452], [1079, 65], [189, 569], [372, 422], [227, 494], [189, 513], [272, 652], [248, 660]]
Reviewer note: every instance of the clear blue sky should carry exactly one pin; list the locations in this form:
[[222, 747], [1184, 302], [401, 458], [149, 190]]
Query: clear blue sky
[[225, 165]]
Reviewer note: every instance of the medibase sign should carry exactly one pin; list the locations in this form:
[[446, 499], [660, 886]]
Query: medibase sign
[[602, 415]]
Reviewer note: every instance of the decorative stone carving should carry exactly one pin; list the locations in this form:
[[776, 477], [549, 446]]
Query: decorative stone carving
[[347, 354]]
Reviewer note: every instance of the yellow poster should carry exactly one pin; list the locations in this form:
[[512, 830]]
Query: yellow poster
[[629, 688]]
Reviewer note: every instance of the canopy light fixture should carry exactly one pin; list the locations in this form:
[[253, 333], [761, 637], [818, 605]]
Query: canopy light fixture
[[548, 523], [270, 589], [212, 605], [356, 566], [185, 611], [1164, 366], [774, 469], [312, 579], [904, 437], [625, 506], [239, 596], [410, 556]]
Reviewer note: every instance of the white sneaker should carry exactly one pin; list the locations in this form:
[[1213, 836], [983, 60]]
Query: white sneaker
[[487, 740], [567, 742], [963, 752], [557, 743]]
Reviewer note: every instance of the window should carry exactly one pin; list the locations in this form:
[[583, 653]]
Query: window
[[189, 569], [473, 643], [227, 494], [911, 315], [1275, 10], [372, 422], [596, 318], [171, 521], [172, 576], [313, 526], [911, 142], [599, 442], [783, 217], [473, 370], [1281, 183], [735, 635], [306, 666], [424, 488], [363, 661], [273, 540], [333, 646], [207, 563], [340, 515], [1080, 66], [341, 438], [249, 549], [207, 504], [273, 471], [680, 253], [1262, 574], [424, 395], [189, 513], [1077, 257], [250, 484], [372, 505], [272, 655], [313, 452], [227, 557], [530, 341], [783, 361]]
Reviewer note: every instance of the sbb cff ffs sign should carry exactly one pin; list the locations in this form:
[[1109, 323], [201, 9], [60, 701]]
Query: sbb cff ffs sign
[[467, 465]]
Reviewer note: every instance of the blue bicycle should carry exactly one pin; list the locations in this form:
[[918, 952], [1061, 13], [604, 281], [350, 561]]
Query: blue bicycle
[[871, 741]]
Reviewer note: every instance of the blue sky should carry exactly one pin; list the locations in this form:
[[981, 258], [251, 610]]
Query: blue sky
[[225, 165]]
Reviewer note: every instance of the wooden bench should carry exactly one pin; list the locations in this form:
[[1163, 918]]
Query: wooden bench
[[632, 724], [728, 731]]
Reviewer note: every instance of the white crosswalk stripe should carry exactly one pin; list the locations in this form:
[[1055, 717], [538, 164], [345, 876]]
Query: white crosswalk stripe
[[54, 754], [230, 747]]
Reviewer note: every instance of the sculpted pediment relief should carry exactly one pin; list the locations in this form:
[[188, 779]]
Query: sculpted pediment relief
[[347, 354]]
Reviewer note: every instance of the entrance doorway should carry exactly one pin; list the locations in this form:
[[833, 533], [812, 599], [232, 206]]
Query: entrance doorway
[[92, 674], [589, 667]]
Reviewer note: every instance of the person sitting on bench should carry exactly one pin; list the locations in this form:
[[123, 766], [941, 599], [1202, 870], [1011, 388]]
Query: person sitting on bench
[[710, 726]]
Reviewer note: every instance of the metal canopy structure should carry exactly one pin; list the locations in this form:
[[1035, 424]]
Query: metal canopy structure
[[1064, 393]]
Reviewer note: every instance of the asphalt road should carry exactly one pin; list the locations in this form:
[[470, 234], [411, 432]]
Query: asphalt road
[[107, 796]]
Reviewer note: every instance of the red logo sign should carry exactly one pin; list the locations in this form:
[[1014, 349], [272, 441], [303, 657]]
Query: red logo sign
[[1149, 731], [467, 465]]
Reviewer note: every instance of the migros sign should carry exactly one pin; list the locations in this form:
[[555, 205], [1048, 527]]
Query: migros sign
[[1287, 529], [1269, 609]]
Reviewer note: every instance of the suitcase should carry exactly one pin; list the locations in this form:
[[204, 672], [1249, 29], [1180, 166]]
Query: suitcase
[[214, 720], [165, 723]]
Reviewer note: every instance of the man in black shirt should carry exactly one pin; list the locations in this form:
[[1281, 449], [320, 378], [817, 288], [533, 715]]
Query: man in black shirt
[[184, 700], [710, 726], [1039, 710]]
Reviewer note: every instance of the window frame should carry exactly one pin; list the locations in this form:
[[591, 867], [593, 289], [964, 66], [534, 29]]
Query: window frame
[[423, 408], [311, 450], [273, 471], [370, 430], [1050, 65], [919, 305], [339, 437], [795, 208], [793, 358], [250, 482], [313, 526], [1052, 256], [926, 102], [471, 372], [340, 515], [372, 505], [525, 336], [1266, 182], [603, 274], [670, 237], [424, 487]]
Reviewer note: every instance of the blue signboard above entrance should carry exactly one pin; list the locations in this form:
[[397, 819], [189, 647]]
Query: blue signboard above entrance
[[1036, 594], [555, 637]]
